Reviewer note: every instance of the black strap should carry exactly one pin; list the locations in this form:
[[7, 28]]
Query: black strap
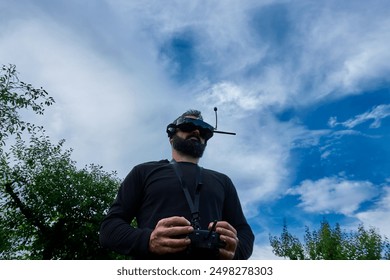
[[193, 204]]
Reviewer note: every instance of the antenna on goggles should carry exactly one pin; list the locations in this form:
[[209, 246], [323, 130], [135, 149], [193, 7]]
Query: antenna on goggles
[[216, 123]]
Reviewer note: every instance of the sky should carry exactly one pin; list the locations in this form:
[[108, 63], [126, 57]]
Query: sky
[[304, 84]]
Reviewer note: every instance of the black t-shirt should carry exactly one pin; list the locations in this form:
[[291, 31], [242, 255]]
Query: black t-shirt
[[152, 191]]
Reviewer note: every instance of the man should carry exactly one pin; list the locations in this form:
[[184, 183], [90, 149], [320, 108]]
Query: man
[[175, 201]]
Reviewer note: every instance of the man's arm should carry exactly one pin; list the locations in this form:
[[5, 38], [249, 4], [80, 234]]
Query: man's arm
[[234, 215], [116, 233]]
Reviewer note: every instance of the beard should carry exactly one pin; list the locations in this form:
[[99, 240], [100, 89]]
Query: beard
[[188, 146]]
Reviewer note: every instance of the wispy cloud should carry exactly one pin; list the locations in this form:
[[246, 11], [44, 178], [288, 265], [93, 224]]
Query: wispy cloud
[[376, 115], [333, 195]]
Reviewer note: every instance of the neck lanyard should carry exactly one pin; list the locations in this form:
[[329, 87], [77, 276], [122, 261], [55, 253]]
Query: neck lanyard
[[193, 204]]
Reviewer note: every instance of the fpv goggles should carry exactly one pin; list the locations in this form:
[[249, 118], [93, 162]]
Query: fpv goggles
[[188, 125]]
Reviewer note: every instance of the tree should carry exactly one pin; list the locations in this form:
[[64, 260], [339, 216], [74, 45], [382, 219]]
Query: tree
[[326, 243], [50, 209], [14, 96], [329, 243], [287, 245]]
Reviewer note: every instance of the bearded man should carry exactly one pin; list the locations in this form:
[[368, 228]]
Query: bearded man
[[183, 211]]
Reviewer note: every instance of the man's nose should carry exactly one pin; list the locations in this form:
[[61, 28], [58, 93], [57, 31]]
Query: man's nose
[[196, 131]]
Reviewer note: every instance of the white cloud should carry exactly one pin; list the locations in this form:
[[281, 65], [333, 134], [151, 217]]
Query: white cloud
[[103, 112], [258, 158], [228, 43], [378, 216], [333, 195], [342, 51], [375, 115]]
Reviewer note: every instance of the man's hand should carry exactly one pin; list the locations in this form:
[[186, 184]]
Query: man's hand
[[228, 234], [164, 238]]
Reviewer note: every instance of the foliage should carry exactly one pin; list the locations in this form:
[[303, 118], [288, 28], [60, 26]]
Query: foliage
[[14, 96], [287, 245], [50, 209], [332, 244]]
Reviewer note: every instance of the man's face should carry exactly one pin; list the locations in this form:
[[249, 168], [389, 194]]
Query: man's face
[[189, 142]]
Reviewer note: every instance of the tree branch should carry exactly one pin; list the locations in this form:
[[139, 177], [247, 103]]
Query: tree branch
[[25, 210]]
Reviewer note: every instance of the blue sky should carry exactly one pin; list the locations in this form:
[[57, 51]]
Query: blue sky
[[304, 84]]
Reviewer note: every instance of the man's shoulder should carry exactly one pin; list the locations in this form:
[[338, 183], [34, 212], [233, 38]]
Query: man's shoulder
[[215, 173], [152, 164], [145, 168]]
